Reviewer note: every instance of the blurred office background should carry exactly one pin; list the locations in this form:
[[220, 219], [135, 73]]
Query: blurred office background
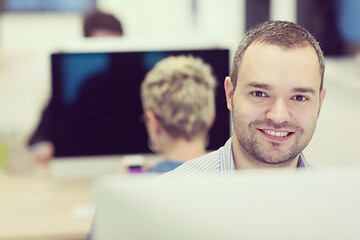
[[30, 30]]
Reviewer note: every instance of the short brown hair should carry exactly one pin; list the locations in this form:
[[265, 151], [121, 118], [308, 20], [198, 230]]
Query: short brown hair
[[97, 19], [279, 33]]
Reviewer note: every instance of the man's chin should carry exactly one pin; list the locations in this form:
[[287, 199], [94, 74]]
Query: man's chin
[[277, 159]]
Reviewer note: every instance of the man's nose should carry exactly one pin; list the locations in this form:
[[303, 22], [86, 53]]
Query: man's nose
[[278, 111]]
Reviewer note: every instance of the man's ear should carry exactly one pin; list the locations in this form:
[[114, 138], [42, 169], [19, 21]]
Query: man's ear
[[322, 97], [229, 91], [152, 123]]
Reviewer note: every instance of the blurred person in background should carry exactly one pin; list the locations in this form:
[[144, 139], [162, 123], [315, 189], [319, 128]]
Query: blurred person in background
[[101, 24], [95, 24], [178, 100]]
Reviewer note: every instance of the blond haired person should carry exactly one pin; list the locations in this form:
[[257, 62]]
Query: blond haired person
[[178, 99]]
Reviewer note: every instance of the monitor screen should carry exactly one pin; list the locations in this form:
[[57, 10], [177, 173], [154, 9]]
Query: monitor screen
[[96, 106]]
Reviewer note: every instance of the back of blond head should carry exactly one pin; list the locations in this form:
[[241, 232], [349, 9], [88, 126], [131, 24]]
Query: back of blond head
[[180, 92]]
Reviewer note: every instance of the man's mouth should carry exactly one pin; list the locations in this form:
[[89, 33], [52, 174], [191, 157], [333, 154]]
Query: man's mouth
[[276, 135]]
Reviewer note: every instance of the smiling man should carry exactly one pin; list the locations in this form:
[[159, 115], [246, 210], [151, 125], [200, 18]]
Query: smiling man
[[275, 92]]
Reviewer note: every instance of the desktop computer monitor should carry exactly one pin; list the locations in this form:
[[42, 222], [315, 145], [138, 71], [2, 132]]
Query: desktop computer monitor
[[96, 107], [258, 204]]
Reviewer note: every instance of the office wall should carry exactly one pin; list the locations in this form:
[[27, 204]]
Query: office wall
[[179, 18], [335, 142], [26, 41]]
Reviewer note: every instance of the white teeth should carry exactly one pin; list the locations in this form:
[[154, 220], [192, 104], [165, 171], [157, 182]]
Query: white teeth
[[277, 134]]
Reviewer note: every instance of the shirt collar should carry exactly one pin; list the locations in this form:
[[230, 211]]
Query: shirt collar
[[227, 163], [302, 163]]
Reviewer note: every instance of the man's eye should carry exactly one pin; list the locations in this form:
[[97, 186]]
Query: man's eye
[[258, 94], [300, 98]]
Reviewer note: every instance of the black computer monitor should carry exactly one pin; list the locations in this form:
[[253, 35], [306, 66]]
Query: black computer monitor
[[96, 106]]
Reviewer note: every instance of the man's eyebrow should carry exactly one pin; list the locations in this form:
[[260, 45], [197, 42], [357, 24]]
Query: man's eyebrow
[[259, 85], [304, 90], [268, 87]]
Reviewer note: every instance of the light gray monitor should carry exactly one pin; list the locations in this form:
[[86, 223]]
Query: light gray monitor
[[276, 204]]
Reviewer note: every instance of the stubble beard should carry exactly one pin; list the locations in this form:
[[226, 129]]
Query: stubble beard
[[258, 155]]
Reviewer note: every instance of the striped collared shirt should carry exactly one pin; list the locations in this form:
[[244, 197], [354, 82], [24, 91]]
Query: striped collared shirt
[[216, 163]]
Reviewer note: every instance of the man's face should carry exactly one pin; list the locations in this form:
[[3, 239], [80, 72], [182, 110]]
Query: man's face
[[276, 103]]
